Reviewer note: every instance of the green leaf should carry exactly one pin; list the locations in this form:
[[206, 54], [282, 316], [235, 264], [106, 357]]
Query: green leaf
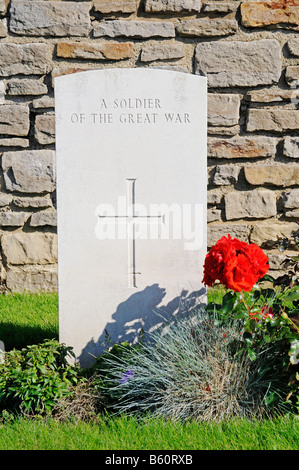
[[252, 354], [270, 398], [228, 302], [241, 315], [292, 295]]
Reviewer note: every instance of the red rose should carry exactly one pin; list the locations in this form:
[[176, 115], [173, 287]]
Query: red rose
[[239, 274], [258, 259], [237, 265], [215, 263]]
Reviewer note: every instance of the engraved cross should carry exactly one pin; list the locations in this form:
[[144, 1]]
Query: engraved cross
[[132, 220]]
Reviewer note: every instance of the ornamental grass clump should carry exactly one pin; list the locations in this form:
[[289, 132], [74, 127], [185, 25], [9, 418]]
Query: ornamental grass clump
[[187, 371]]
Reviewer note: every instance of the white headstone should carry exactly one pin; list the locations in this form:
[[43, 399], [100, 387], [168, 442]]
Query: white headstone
[[131, 201]]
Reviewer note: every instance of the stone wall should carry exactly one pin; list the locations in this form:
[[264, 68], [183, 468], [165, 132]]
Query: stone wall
[[248, 50]]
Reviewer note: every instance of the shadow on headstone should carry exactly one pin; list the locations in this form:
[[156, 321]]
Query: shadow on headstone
[[140, 312]]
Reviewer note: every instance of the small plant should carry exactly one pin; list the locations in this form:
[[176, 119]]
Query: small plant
[[187, 371], [267, 308], [33, 378]]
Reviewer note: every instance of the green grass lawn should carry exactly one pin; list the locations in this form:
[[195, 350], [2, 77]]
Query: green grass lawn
[[129, 434], [30, 318]]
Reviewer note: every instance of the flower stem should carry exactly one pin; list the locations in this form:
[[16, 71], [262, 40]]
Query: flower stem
[[243, 300], [285, 316]]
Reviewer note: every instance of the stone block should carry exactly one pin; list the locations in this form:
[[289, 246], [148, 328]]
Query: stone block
[[213, 215], [275, 260], [216, 231], [20, 248], [292, 76], [292, 214], [279, 13], [106, 51], [272, 95], [43, 218], [14, 142], [134, 29], [3, 29], [14, 119], [291, 147], [29, 171], [33, 202], [227, 131], [162, 52], [44, 129], [242, 147], [5, 199], [271, 231], [258, 204], [214, 197], [158, 6], [205, 27], [3, 6], [219, 7], [238, 63], [293, 46], [291, 199], [223, 109], [26, 86], [226, 175], [13, 219], [276, 175], [25, 59], [273, 120], [33, 279], [50, 18], [3, 92], [43, 103], [115, 6]]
